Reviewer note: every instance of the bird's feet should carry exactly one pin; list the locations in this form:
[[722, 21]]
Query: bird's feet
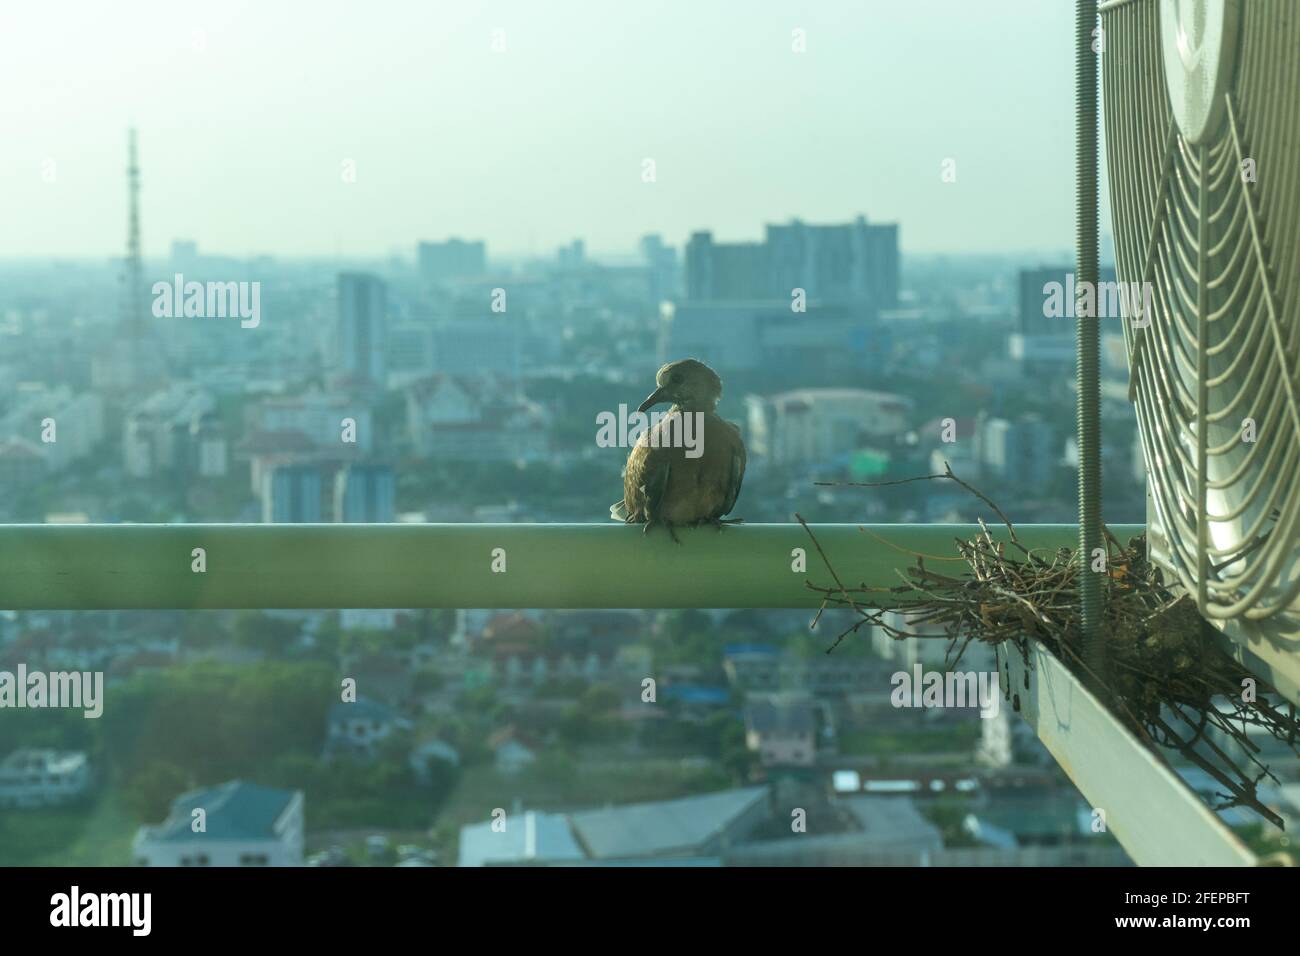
[[718, 523], [667, 524]]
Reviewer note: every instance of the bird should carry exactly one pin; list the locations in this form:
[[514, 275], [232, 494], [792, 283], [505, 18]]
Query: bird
[[667, 483]]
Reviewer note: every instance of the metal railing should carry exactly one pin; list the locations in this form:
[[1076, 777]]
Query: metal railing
[[93, 567]]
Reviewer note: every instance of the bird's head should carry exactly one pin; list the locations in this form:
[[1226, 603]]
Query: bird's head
[[688, 383]]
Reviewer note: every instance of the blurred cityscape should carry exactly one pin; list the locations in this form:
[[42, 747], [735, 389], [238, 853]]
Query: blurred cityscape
[[450, 385]]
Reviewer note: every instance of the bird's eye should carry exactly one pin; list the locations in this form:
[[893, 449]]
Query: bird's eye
[[675, 378]]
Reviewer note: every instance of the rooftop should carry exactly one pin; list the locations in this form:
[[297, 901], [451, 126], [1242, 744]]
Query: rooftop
[[235, 811], [537, 837], [890, 821], [663, 827]]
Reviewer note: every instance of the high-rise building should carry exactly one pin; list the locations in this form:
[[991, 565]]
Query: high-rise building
[[725, 272], [291, 493], [453, 259], [854, 262], [1040, 288], [572, 256], [1045, 338], [1024, 452], [362, 330], [661, 263], [364, 493]]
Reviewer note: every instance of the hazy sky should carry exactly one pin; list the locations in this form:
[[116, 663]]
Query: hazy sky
[[247, 110]]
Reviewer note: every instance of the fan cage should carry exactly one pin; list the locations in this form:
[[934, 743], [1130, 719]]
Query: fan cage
[[1213, 227]]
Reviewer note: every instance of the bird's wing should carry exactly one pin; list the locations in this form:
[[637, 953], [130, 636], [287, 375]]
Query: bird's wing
[[646, 481], [737, 476]]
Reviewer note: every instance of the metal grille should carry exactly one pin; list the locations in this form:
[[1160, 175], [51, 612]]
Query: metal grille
[[1217, 361]]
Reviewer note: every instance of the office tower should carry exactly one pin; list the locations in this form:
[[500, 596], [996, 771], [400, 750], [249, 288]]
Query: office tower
[[572, 256], [364, 493], [850, 263], [291, 493], [453, 259], [362, 330], [661, 264], [1043, 287]]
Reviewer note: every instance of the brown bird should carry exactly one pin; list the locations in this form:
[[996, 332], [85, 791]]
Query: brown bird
[[686, 469]]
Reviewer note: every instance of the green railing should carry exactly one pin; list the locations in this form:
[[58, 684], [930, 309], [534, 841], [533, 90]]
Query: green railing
[[85, 567]]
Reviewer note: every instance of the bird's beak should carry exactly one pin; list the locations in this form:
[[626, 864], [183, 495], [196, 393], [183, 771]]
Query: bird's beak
[[660, 394]]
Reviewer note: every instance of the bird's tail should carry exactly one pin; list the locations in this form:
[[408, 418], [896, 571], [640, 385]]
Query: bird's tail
[[618, 511]]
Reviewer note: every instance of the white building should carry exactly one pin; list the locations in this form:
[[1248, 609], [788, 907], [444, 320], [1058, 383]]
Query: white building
[[995, 746], [1024, 451], [43, 778], [158, 433], [484, 419], [319, 417], [234, 824], [529, 837], [818, 424]]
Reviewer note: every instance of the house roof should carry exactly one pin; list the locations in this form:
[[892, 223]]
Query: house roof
[[891, 821], [666, 826], [537, 837], [235, 810]]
